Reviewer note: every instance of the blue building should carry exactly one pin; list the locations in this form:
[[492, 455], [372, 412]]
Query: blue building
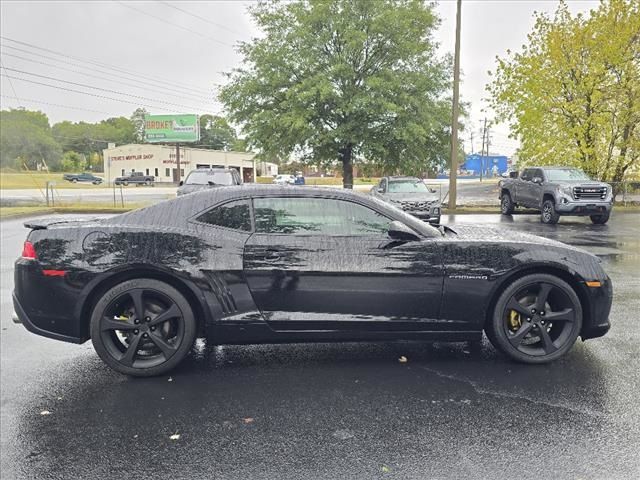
[[485, 163]]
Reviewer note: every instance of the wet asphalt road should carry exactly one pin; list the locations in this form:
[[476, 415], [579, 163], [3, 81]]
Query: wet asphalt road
[[335, 410]]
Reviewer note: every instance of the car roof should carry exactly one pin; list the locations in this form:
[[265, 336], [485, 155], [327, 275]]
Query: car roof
[[211, 169], [402, 177]]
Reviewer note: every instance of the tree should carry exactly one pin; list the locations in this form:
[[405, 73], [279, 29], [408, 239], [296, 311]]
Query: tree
[[216, 133], [26, 137], [343, 80], [73, 162], [89, 138], [572, 95]]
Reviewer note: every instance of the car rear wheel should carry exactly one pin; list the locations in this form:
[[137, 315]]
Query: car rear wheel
[[537, 319], [142, 327], [549, 214], [600, 219], [506, 204], [125, 183], [74, 180], [147, 182]]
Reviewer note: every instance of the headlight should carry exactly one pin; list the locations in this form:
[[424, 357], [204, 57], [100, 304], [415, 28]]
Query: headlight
[[565, 190]]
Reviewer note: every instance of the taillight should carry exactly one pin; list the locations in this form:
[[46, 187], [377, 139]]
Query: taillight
[[28, 251]]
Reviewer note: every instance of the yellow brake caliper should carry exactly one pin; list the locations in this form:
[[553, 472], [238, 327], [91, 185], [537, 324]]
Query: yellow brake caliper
[[514, 321]]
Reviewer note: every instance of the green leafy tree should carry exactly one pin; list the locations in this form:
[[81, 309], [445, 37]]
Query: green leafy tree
[[73, 162], [572, 95], [89, 138], [26, 138], [216, 133], [344, 80]]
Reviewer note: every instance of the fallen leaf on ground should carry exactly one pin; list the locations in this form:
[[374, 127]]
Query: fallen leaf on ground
[[403, 359], [175, 436], [385, 469], [45, 412], [247, 420]]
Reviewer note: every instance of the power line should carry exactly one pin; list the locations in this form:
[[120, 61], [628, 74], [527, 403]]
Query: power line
[[77, 84], [99, 77], [41, 102], [11, 85], [200, 18], [87, 93], [101, 64], [174, 24]]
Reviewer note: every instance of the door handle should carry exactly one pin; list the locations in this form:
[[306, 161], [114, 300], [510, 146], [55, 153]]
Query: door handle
[[271, 254]]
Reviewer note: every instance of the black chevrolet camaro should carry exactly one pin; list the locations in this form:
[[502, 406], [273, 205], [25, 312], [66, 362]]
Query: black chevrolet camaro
[[269, 264]]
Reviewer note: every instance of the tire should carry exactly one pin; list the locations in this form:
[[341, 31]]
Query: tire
[[542, 303], [151, 313], [600, 219], [506, 204], [549, 215], [125, 183], [74, 180], [147, 182]]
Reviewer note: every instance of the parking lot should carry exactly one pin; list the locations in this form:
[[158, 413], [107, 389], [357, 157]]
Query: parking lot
[[335, 410]]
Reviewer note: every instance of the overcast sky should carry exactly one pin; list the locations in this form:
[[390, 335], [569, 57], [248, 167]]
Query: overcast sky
[[169, 56]]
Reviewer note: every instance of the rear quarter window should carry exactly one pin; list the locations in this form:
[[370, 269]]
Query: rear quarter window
[[234, 215]]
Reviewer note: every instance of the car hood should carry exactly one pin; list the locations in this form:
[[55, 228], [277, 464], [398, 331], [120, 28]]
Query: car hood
[[411, 197], [477, 233], [582, 183]]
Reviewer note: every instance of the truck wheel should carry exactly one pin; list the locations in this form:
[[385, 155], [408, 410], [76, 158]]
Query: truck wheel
[[147, 182], [74, 180], [599, 219], [506, 204], [549, 214], [125, 183]]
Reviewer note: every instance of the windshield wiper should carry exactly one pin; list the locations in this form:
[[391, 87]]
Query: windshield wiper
[[211, 184]]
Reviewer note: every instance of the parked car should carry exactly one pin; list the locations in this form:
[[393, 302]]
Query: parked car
[[82, 177], [268, 264], [204, 178], [411, 195], [136, 178], [285, 180], [557, 191]]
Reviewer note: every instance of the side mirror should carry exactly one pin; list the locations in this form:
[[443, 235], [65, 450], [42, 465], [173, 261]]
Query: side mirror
[[380, 189], [513, 174], [181, 183], [399, 231], [537, 180]]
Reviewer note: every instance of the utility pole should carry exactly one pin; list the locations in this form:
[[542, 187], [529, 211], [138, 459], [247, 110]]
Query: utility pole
[[484, 134], [472, 142], [453, 170], [178, 162]]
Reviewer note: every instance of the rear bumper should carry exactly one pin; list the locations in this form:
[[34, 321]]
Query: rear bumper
[[20, 316]]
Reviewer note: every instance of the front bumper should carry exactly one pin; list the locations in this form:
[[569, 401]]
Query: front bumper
[[597, 317], [571, 207]]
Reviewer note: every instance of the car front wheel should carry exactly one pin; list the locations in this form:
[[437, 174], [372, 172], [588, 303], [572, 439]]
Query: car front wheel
[[549, 214], [536, 319], [142, 327], [599, 219]]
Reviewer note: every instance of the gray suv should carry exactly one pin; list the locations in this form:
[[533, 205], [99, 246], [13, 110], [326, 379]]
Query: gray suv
[[556, 191], [205, 178], [411, 195]]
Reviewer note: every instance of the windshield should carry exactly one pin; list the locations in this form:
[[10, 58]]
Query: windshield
[[203, 178], [408, 186], [566, 174]]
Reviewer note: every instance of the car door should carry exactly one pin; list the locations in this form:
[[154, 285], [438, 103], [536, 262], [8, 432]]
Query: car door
[[537, 189], [328, 264], [524, 193]]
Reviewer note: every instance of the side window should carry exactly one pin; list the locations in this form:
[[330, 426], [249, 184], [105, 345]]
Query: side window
[[235, 215], [321, 216], [538, 173], [526, 174]]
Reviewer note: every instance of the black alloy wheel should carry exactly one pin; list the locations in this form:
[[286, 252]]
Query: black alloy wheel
[[143, 327], [506, 204], [537, 319], [549, 214]]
